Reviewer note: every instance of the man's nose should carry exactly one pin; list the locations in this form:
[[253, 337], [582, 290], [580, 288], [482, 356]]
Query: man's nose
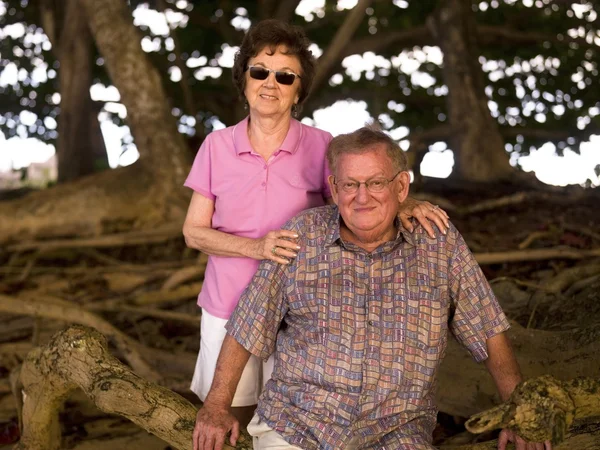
[[362, 194]]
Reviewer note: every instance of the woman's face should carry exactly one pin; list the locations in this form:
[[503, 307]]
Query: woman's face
[[268, 97]]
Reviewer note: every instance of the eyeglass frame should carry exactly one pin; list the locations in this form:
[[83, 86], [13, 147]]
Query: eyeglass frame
[[276, 72], [366, 183]]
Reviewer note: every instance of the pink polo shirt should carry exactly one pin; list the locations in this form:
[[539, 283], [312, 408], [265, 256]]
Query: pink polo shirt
[[253, 196]]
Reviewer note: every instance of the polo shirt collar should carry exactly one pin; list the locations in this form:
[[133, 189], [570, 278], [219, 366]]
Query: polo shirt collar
[[290, 144], [332, 235]]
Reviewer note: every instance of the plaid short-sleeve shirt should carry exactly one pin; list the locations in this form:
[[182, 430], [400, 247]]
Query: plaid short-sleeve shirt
[[358, 336]]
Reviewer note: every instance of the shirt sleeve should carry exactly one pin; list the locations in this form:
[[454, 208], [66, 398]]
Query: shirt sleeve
[[199, 178], [477, 313], [326, 171], [260, 310]]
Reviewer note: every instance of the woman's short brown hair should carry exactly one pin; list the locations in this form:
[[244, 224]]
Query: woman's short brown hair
[[363, 140], [273, 33]]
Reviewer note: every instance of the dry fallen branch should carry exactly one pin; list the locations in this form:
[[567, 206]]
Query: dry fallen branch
[[542, 409], [78, 358], [567, 277], [535, 255], [153, 236]]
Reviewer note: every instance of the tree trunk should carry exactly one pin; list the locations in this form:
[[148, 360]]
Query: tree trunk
[[139, 83], [479, 153], [80, 147], [143, 195]]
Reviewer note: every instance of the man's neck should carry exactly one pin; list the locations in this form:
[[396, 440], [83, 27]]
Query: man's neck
[[368, 241]]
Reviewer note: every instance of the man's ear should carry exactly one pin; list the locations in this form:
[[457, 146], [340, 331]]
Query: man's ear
[[403, 186], [333, 188]]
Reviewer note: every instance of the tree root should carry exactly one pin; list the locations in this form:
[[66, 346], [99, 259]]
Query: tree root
[[58, 309], [78, 358], [542, 409], [562, 354], [535, 255]]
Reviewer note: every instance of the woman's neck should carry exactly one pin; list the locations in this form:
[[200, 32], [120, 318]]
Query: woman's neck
[[266, 134]]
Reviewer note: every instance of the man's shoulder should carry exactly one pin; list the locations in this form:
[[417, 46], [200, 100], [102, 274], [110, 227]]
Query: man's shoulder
[[441, 240], [314, 217]]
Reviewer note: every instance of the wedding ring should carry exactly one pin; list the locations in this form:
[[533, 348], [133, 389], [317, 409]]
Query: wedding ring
[[274, 250]]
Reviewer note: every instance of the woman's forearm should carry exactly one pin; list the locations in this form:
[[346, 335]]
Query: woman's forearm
[[218, 243]]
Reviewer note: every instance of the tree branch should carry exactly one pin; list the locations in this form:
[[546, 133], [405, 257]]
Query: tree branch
[[491, 34], [331, 56]]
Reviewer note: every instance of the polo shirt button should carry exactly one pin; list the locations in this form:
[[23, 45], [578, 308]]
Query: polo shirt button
[[263, 184], [265, 167], [371, 322]]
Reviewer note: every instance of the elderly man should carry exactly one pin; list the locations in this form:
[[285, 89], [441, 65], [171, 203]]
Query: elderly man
[[358, 321]]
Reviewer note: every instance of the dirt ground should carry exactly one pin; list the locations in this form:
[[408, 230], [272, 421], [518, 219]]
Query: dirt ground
[[148, 292]]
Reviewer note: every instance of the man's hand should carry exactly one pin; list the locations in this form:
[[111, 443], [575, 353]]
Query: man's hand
[[507, 436], [212, 425], [424, 212]]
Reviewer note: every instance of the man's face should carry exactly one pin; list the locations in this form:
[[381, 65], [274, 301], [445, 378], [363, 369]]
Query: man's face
[[366, 213]]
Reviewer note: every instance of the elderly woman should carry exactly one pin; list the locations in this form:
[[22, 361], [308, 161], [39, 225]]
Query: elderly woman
[[248, 180]]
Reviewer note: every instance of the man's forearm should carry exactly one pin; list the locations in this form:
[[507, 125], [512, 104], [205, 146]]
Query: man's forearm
[[230, 365], [502, 365]]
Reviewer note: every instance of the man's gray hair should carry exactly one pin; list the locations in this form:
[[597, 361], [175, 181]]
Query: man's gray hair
[[363, 140]]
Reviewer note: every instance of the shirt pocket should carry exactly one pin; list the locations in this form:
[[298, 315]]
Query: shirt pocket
[[430, 319]]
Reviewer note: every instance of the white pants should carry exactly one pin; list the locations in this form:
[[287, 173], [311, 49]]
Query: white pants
[[256, 373], [266, 438]]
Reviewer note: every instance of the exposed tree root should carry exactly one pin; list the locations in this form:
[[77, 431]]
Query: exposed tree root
[[78, 358], [535, 255], [58, 309], [465, 388], [542, 409]]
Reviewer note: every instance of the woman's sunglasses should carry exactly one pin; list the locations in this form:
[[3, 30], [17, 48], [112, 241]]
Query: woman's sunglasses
[[261, 73]]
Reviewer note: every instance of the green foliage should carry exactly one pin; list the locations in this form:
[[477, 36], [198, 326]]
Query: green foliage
[[540, 60]]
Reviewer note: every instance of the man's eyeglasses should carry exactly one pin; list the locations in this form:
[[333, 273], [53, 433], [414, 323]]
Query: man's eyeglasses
[[373, 185], [261, 73]]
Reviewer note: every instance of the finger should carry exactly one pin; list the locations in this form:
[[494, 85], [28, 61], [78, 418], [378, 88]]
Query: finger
[[406, 222], [520, 444], [235, 433], [439, 222], [276, 255], [547, 445], [288, 245], [287, 233], [425, 223], [209, 441], [219, 441], [502, 440]]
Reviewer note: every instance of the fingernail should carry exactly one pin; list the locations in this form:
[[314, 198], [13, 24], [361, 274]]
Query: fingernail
[[297, 247], [295, 235]]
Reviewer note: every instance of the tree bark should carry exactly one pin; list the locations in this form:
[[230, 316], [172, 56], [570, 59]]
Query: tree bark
[[478, 146], [80, 146]]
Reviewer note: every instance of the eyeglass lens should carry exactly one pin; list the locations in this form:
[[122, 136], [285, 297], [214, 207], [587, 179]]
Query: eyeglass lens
[[260, 73]]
